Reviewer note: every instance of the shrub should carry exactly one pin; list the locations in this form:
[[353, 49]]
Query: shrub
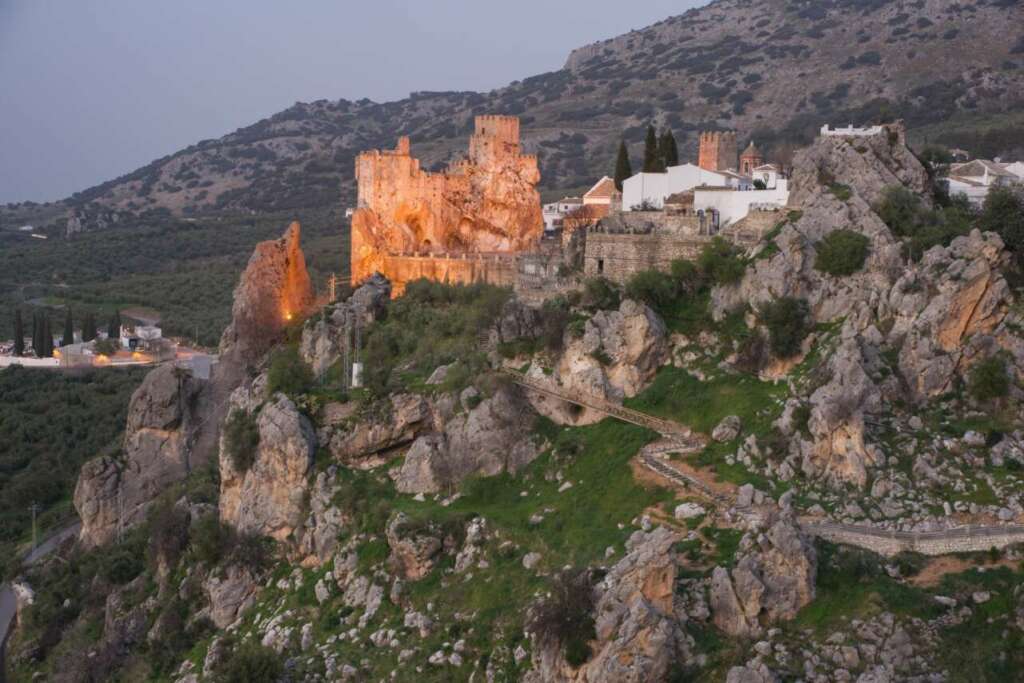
[[105, 347], [250, 663], [841, 253], [1003, 213], [241, 438], [564, 618], [788, 325], [652, 287], [908, 217], [288, 373], [168, 533], [752, 354], [599, 293], [988, 380], [721, 262], [687, 275], [121, 565]]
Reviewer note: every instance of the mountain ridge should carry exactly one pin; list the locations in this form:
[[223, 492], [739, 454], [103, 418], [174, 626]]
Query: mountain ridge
[[774, 70]]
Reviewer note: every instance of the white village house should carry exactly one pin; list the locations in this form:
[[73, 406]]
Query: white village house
[[974, 179]]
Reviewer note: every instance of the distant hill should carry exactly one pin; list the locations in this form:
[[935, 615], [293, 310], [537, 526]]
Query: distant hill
[[774, 70]]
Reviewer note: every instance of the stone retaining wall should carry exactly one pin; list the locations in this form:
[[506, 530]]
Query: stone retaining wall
[[889, 543]]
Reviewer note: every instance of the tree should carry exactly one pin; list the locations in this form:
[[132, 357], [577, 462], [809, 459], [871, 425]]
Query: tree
[[668, 150], [46, 347], [69, 330], [988, 380], [88, 327], [19, 334], [652, 159], [114, 326], [1003, 214], [623, 169], [842, 252], [37, 334], [788, 323]]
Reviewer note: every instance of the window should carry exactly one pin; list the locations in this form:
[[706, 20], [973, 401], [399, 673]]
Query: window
[[600, 266]]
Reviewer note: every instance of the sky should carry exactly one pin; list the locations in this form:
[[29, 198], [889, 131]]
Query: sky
[[93, 89]]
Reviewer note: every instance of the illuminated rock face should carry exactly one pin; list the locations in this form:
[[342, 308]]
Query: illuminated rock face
[[487, 203], [274, 290]]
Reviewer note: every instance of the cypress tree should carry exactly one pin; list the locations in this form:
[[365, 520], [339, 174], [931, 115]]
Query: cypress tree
[[652, 160], [37, 335], [668, 149], [623, 169], [88, 327], [19, 334], [69, 330], [47, 345], [114, 328]]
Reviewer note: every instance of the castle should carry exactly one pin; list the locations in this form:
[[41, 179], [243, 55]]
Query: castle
[[465, 224]]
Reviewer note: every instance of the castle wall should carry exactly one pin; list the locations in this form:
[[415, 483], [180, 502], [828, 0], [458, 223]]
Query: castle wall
[[494, 269], [619, 256]]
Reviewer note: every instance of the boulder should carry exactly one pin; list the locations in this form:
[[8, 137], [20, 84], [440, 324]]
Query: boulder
[[639, 632], [415, 548], [772, 579], [728, 429], [269, 498], [487, 440], [230, 591], [616, 357]]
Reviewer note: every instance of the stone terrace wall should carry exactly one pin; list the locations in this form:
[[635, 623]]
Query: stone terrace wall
[[619, 256], [889, 543], [495, 269]]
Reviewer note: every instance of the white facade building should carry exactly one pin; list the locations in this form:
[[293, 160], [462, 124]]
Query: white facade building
[[651, 189], [733, 205], [974, 179], [555, 212], [849, 131]]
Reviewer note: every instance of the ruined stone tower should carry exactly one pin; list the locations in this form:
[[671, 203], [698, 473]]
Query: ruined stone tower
[[718, 151]]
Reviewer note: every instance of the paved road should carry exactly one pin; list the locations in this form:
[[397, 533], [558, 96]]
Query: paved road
[[8, 603]]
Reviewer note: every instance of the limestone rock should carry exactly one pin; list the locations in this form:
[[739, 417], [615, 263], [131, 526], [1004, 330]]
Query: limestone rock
[[230, 591], [161, 417], [773, 578], [363, 443], [325, 340], [269, 498], [274, 290], [971, 300], [616, 358], [414, 548], [639, 635], [727, 430], [487, 440]]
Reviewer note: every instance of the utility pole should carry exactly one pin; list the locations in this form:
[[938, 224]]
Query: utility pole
[[34, 508]]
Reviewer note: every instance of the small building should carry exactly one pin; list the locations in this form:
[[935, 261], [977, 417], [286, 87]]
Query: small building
[[648, 191], [602, 193], [555, 212], [974, 179], [850, 131]]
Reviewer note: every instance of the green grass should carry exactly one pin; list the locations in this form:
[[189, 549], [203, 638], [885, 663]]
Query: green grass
[[677, 395]]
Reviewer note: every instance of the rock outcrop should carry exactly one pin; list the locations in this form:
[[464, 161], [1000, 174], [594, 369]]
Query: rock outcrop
[[773, 578], [489, 438], [638, 621], [326, 340], [415, 548], [363, 441], [616, 357], [969, 299], [268, 498], [274, 290], [156, 453]]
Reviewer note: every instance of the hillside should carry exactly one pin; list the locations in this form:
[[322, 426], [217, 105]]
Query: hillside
[[774, 70]]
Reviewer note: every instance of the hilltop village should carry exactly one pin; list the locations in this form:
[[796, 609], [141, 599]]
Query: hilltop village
[[735, 421]]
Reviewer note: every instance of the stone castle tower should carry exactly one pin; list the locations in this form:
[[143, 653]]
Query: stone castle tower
[[718, 151]]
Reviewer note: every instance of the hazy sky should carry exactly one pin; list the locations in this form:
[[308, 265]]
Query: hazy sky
[[92, 89]]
